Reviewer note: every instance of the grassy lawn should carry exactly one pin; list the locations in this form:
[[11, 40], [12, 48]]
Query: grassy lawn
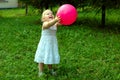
[[87, 51]]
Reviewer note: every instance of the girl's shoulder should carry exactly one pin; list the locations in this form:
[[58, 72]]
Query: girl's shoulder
[[51, 27], [44, 24]]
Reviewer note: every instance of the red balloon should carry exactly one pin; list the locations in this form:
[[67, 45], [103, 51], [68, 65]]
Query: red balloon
[[67, 13]]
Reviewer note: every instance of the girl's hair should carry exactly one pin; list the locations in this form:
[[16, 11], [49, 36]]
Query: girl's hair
[[42, 17]]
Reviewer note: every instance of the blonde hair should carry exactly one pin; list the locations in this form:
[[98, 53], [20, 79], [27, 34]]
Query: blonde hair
[[42, 17]]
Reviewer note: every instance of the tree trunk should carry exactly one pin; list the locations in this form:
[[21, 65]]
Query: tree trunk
[[103, 15], [26, 9], [47, 4]]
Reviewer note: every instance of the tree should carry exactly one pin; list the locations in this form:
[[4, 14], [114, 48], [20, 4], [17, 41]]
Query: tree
[[40, 4], [26, 2], [104, 4]]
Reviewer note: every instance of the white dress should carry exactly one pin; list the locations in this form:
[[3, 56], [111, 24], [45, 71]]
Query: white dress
[[47, 50]]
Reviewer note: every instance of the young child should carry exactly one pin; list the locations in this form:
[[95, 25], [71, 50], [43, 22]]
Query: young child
[[47, 50]]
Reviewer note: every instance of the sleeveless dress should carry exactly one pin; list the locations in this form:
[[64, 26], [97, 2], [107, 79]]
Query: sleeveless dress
[[47, 50]]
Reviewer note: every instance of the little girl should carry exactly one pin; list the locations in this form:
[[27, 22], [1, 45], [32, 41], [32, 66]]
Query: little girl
[[47, 50]]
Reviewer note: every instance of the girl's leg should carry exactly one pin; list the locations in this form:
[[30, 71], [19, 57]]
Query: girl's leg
[[51, 70], [50, 66], [41, 67]]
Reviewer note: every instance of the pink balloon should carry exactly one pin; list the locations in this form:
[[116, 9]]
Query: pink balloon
[[67, 13]]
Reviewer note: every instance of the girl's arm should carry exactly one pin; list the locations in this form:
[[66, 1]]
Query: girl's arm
[[58, 24], [50, 23]]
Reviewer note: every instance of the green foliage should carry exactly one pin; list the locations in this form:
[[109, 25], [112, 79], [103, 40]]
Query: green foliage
[[40, 4], [107, 3], [87, 52], [96, 3]]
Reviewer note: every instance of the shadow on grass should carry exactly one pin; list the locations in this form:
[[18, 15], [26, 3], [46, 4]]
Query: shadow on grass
[[63, 73], [94, 23], [67, 73]]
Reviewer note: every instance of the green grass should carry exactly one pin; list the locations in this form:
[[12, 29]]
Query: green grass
[[87, 51]]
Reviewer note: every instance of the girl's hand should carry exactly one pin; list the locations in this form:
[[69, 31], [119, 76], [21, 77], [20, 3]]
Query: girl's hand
[[57, 18], [58, 22]]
